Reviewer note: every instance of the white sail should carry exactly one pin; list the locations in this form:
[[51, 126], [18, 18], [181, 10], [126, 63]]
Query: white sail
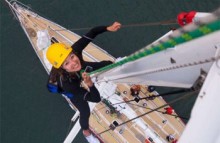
[[146, 70], [204, 124], [178, 66]]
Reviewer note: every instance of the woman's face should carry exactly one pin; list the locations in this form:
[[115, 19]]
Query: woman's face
[[72, 63]]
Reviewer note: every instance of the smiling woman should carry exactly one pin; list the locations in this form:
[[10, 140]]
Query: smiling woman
[[66, 74]]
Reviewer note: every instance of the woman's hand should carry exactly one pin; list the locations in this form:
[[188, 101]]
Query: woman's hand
[[114, 27], [87, 80]]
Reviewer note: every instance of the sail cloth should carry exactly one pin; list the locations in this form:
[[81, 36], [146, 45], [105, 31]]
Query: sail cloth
[[171, 66], [43, 39], [147, 70], [204, 124], [43, 42]]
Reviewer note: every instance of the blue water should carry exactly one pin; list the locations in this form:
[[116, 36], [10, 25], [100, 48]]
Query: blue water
[[29, 114]]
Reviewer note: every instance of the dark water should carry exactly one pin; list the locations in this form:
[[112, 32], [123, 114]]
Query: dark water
[[29, 114]]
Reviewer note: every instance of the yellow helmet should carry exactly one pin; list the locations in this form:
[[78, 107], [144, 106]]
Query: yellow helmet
[[57, 53]]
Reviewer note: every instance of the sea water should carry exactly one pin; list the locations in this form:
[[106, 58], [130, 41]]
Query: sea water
[[29, 113]]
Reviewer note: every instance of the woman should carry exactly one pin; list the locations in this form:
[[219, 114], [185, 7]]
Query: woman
[[68, 65]]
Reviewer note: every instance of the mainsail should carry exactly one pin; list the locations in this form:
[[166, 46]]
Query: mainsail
[[176, 60]]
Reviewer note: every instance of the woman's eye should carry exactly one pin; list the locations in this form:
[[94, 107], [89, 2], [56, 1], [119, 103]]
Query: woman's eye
[[72, 56], [66, 63]]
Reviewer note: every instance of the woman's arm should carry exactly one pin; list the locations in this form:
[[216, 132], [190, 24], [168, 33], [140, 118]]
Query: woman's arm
[[93, 95], [87, 38]]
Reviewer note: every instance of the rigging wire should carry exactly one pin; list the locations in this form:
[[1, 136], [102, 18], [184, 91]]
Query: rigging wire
[[160, 95], [69, 128], [169, 103], [162, 23], [176, 116], [152, 96]]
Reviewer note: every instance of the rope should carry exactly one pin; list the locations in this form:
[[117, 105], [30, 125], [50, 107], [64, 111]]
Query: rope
[[169, 103], [160, 112], [170, 42], [167, 22], [154, 96]]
